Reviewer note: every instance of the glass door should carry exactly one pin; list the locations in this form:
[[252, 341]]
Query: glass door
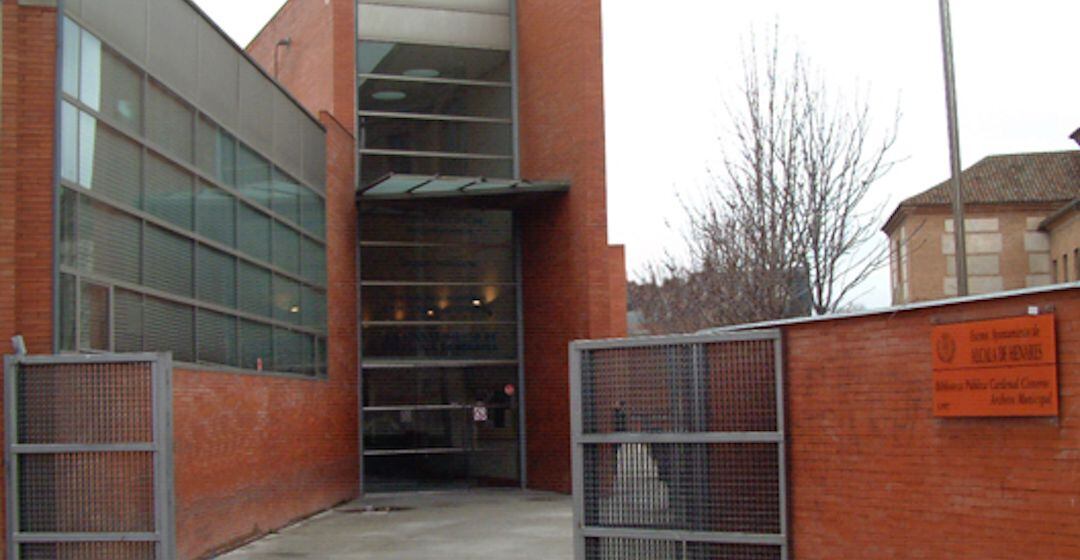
[[440, 357]]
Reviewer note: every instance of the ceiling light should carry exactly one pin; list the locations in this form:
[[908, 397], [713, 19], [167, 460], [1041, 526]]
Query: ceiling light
[[294, 309], [389, 95], [422, 73], [477, 303]]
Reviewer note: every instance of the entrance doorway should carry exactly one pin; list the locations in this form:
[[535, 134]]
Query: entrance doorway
[[440, 328]]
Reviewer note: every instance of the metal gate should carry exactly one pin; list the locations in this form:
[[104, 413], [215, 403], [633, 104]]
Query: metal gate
[[678, 448], [88, 451]]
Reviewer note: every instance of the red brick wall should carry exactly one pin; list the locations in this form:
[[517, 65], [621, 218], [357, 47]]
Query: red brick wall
[[565, 268], [617, 289], [319, 67], [26, 179], [253, 453], [874, 475]]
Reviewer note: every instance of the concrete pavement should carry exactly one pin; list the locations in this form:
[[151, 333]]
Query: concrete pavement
[[475, 524]]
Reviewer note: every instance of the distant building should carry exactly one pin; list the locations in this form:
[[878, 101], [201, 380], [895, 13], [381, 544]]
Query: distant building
[[1021, 229]]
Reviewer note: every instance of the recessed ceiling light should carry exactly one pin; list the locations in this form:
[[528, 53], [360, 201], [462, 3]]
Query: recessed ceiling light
[[389, 95], [422, 73]]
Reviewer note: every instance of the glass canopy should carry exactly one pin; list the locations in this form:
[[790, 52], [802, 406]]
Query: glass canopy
[[400, 186]]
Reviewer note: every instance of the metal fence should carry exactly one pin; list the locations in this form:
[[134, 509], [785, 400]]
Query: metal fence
[[678, 448], [89, 457]]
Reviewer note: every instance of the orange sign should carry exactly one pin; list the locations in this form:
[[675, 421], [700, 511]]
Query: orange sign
[[1002, 367]]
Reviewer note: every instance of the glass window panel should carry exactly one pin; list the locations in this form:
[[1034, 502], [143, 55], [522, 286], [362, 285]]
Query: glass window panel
[[286, 247], [67, 312], [217, 338], [438, 136], [120, 85], [375, 167], [168, 261], [434, 98], [286, 200], [215, 214], [90, 71], [456, 227], [254, 289], [438, 264], [108, 242], [291, 353], [206, 146], [314, 261], [254, 232], [128, 323], [109, 163], [168, 191], [169, 326], [68, 243], [440, 303], [321, 356], [70, 79], [435, 386], [253, 176], [87, 137], [226, 158], [441, 342], [168, 122], [69, 142], [93, 317], [313, 308], [377, 57], [286, 300], [312, 213], [216, 281], [256, 345]]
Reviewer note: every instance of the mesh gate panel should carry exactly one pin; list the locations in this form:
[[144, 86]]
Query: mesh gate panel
[[90, 455], [678, 445], [89, 551], [728, 487], [86, 492], [85, 403], [721, 386], [654, 549]]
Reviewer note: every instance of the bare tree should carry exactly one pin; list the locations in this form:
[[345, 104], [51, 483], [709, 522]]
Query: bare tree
[[783, 229]]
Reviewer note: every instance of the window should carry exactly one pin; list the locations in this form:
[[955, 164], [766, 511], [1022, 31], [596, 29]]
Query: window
[[434, 110], [175, 236]]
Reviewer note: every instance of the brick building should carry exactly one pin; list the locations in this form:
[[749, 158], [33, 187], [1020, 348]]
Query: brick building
[[367, 239], [1020, 220]]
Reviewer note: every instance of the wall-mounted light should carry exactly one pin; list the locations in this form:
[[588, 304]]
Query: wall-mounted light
[[294, 309]]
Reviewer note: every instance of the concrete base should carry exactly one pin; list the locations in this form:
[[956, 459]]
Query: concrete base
[[438, 526]]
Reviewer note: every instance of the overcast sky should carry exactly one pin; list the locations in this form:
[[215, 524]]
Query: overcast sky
[[669, 65]]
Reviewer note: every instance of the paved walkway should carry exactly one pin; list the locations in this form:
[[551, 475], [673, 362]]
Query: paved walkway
[[495, 524]]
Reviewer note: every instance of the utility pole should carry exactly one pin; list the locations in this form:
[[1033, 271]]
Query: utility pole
[[954, 152]]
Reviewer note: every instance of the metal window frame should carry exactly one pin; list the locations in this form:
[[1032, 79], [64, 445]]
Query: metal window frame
[[161, 371], [578, 353]]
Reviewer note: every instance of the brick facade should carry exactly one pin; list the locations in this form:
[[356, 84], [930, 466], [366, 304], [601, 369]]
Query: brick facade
[[565, 268], [872, 474], [27, 94]]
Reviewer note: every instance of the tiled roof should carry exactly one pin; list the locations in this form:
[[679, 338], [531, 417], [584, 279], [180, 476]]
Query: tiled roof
[[1038, 177]]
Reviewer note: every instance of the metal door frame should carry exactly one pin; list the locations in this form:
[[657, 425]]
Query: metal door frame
[[580, 439], [164, 534]]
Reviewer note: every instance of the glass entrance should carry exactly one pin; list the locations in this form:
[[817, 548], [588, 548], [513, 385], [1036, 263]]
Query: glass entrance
[[440, 353]]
